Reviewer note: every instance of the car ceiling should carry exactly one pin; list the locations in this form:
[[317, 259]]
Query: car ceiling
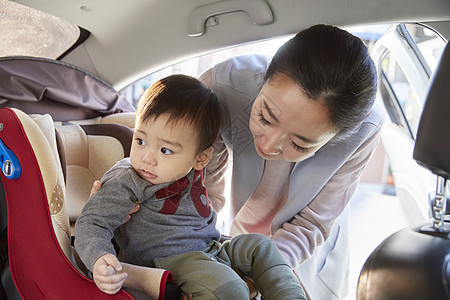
[[130, 39]]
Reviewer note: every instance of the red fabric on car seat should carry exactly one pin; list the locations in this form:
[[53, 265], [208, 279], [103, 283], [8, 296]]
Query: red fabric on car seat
[[39, 268]]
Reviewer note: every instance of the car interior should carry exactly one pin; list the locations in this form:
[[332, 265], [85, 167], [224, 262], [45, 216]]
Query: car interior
[[71, 73], [413, 262]]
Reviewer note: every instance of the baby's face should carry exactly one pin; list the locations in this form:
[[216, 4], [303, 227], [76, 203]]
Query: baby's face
[[163, 152]]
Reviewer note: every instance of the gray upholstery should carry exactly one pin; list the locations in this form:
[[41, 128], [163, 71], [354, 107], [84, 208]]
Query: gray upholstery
[[67, 93]]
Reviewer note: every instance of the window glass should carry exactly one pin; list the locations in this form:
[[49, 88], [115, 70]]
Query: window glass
[[404, 95], [430, 43], [28, 32], [196, 66], [405, 105]]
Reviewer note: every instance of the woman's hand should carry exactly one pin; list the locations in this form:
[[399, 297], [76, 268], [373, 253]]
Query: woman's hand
[[106, 274], [97, 186]]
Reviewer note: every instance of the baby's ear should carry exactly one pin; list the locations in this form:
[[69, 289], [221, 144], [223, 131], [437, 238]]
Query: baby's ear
[[203, 159]]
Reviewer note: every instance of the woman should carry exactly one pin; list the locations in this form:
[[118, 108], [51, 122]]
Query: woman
[[299, 131]]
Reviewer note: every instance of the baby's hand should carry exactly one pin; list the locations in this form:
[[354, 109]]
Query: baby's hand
[[106, 275]]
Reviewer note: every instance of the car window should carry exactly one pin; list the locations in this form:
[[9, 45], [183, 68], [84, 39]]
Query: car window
[[196, 66], [429, 43], [399, 92], [401, 100], [28, 32]]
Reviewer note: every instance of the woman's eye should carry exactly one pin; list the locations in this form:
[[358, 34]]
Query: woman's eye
[[140, 142], [166, 151], [263, 120], [299, 148]]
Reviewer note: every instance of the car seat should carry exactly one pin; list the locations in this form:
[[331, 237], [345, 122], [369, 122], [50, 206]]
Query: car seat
[[36, 255], [42, 261], [414, 263]]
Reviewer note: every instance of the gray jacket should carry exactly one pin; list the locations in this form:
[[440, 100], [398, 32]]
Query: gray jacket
[[174, 218]]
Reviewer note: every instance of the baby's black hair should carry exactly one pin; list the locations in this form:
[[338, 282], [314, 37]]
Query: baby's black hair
[[183, 98]]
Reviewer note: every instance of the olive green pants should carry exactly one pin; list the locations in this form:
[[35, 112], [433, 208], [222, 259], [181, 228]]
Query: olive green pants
[[216, 272]]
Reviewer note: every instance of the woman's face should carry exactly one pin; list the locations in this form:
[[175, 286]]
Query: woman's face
[[286, 124]]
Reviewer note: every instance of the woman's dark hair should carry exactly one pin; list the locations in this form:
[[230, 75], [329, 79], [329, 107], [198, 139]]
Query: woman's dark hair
[[183, 98], [333, 65]]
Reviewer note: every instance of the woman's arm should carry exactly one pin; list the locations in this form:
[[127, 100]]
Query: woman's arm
[[215, 180], [206, 78], [298, 238]]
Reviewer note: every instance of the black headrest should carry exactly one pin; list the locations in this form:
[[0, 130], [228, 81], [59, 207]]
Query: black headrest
[[432, 148]]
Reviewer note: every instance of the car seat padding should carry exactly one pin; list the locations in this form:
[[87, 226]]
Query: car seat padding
[[39, 267]]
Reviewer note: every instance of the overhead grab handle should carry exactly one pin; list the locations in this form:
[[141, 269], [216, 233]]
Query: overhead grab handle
[[258, 10]]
